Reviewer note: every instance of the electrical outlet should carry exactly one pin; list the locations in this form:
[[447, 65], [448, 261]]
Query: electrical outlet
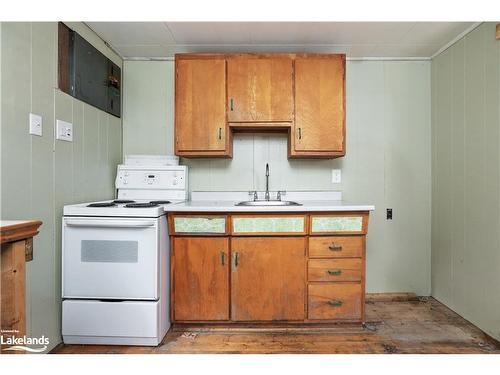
[[336, 176], [35, 124], [64, 131]]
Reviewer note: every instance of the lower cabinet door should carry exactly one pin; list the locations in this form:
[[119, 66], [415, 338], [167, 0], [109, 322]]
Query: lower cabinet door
[[268, 278], [335, 301], [201, 278]]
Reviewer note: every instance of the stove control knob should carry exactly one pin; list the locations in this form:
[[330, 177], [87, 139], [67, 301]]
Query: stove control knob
[[125, 181], [174, 182]]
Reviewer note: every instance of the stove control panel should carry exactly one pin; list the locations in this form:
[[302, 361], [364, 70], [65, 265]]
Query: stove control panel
[[158, 178]]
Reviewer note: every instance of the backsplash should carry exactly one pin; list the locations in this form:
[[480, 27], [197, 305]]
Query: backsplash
[[246, 170]]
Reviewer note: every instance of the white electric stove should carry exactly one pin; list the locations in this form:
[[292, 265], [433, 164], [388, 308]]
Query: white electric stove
[[115, 260]]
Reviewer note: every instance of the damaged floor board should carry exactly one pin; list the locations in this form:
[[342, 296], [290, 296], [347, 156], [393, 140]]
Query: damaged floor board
[[417, 325]]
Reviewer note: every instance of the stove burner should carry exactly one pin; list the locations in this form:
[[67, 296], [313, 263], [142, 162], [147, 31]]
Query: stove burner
[[123, 201], [102, 204], [141, 205], [160, 202]]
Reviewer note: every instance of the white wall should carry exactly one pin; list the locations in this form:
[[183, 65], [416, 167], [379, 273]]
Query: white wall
[[40, 175], [466, 178], [387, 162]]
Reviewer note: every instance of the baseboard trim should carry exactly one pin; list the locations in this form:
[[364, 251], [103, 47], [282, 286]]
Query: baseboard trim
[[391, 297]]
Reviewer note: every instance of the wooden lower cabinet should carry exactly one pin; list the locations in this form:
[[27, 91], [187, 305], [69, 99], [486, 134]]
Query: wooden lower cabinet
[[268, 278], [278, 274], [200, 267]]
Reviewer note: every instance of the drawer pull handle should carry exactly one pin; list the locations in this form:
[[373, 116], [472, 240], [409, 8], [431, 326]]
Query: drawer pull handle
[[236, 259], [334, 247], [222, 257], [335, 303], [335, 272]]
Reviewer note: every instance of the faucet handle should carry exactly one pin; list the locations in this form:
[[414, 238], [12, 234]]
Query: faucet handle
[[254, 194], [279, 194]]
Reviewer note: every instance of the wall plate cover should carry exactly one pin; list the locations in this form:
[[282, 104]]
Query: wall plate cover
[[35, 124], [64, 131], [336, 176]]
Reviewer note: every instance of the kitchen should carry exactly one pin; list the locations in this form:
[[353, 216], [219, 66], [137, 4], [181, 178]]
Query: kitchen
[[319, 184]]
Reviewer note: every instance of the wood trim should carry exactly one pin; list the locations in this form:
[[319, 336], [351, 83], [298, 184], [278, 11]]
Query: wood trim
[[195, 56], [390, 297], [63, 57], [19, 231], [257, 126], [498, 31]]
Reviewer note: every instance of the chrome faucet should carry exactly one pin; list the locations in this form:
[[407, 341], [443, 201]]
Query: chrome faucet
[[267, 182]]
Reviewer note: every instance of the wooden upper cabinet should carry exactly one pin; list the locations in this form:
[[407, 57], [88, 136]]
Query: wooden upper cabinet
[[319, 106], [201, 278], [260, 89], [200, 108], [301, 94]]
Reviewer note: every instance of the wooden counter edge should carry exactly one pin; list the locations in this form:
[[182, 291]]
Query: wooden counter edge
[[19, 231]]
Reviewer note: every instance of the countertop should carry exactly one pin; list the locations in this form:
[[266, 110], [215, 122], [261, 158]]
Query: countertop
[[230, 206]]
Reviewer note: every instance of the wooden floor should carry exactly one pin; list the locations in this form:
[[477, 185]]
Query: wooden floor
[[417, 326]]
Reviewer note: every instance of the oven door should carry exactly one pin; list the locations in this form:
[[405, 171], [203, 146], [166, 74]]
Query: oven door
[[110, 258]]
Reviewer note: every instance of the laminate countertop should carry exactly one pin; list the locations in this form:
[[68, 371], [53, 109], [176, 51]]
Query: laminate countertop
[[226, 202]]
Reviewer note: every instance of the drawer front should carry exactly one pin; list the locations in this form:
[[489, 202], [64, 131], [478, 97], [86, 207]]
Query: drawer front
[[199, 225], [334, 269], [335, 301], [337, 224], [294, 225], [336, 247]]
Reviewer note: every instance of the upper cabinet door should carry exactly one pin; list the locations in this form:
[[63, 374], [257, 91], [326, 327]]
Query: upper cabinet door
[[320, 106], [260, 89], [200, 107]]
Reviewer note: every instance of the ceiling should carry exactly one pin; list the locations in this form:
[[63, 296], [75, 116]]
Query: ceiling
[[356, 39]]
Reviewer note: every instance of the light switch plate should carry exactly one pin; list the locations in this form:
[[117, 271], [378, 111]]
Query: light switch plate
[[35, 124], [336, 176], [64, 131]]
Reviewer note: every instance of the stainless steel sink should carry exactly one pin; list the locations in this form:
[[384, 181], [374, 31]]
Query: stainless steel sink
[[267, 203]]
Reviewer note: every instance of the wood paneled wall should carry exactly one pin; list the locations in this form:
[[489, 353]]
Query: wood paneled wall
[[38, 174], [466, 178]]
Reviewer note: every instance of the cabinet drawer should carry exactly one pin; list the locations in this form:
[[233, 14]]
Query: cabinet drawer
[[324, 224], [336, 247], [334, 269], [335, 301], [199, 225], [269, 225]]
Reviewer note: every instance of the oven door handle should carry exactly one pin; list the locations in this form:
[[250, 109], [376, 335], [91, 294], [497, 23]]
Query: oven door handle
[[109, 223]]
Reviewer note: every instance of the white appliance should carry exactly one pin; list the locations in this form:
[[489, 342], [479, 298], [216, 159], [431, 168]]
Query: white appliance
[[115, 260]]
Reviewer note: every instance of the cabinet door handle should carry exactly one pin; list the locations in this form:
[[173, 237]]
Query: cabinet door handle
[[334, 272], [300, 133], [231, 105], [335, 303], [220, 133], [222, 257], [334, 247], [236, 259]]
